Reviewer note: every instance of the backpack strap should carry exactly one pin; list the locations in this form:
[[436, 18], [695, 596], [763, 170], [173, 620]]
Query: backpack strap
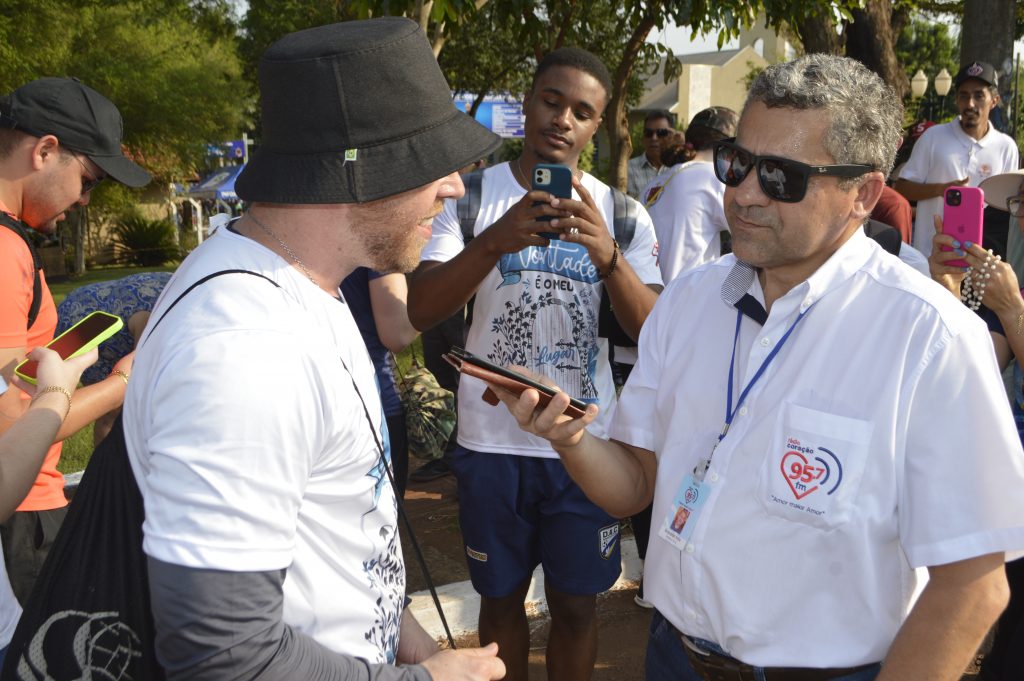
[[19, 228], [468, 206], [624, 218]]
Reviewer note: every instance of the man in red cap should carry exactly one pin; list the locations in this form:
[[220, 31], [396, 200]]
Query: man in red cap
[[58, 140]]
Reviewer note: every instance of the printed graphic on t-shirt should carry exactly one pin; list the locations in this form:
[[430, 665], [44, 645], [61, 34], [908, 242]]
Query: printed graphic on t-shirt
[[548, 322], [385, 573], [814, 467]]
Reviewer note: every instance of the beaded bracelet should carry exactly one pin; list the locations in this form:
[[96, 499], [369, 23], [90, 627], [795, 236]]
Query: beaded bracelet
[[56, 389], [122, 374], [615, 259]]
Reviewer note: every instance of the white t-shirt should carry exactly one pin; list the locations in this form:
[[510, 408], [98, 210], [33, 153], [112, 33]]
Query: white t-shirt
[[945, 153], [252, 449], [538, 309], [878, 441], [688, 216]]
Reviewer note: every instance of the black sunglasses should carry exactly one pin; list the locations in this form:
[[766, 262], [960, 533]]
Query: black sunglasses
[[660, 132], [781, 179]]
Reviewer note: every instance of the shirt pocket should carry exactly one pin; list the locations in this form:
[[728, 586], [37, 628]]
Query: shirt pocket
[[813, 467]]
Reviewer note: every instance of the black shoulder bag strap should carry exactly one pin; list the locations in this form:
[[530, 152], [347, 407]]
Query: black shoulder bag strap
[[21, 230]]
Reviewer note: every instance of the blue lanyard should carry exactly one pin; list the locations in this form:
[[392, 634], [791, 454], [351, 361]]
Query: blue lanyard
[[730, 411]]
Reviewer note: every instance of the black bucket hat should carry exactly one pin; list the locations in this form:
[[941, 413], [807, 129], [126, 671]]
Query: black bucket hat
[[82, 120], [354, 112]]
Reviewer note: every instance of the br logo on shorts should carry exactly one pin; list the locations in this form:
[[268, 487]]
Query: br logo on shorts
[[608, 536]]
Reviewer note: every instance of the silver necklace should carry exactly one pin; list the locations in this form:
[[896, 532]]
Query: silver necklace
[[290, 252]]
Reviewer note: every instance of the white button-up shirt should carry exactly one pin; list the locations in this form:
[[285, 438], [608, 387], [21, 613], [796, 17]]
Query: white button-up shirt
[[879, 440]]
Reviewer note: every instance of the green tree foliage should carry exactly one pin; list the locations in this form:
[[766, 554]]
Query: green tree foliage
[[928, 46], [171, 66]]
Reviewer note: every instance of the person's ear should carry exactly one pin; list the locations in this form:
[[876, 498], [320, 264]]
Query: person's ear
[[44, 150], [868, 193]]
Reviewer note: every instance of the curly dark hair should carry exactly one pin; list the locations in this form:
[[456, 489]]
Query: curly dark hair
[[576, 58]]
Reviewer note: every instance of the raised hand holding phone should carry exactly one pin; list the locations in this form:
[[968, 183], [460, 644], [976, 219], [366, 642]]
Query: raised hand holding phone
[[79, 339], [963, 210], [555, 180]]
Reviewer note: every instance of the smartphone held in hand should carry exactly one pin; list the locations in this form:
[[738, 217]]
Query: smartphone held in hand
[[478, 367], [80, 338], [555, 180], [963, 210]]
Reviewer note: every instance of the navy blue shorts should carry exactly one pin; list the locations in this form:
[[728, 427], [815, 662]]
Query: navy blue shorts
[[518, 512]]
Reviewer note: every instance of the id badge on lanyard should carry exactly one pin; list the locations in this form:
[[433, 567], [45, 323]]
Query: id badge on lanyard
[[689, 499]]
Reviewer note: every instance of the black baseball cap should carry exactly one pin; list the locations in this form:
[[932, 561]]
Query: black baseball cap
[[978, 70], [81, 118]]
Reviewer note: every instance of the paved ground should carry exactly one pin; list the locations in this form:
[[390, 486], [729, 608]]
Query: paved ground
[[433, 512]]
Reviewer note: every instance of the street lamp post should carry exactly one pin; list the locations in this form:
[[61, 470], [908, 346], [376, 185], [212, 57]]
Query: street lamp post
[[919, 89]]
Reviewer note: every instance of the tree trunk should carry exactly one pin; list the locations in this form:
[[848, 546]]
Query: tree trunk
[[987, 35], [81, 227], [871, 40], [615, 121], [818, 33]]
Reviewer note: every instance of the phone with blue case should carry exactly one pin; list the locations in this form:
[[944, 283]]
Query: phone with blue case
[[555, 180]]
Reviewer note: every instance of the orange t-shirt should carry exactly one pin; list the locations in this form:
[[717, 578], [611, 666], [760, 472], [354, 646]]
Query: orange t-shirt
[[16, 279]]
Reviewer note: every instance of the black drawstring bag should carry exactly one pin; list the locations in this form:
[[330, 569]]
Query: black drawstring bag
[[89, 614]]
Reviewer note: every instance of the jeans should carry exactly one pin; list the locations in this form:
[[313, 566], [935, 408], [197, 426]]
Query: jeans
[[666, 658]]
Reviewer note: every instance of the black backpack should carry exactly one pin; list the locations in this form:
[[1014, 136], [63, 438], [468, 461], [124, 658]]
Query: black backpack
[[624, 218]]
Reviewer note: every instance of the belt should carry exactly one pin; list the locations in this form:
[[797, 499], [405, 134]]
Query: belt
[[711, 666]]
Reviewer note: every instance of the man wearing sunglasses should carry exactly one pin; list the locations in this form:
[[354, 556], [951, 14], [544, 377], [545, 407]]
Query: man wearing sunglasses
[[820, 476], [962, 152], [645, 167], [58, 139]]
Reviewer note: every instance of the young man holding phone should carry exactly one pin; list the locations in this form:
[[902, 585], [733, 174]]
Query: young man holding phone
[[535, 304], [58, 139]]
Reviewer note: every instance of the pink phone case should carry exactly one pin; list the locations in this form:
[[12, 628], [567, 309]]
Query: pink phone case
[[963, 211]]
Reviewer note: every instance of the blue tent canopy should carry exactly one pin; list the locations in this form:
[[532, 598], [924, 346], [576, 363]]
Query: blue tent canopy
[[220, 184]]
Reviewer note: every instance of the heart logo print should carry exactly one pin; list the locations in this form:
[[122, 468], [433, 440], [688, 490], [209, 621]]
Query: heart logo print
[[799, 473]]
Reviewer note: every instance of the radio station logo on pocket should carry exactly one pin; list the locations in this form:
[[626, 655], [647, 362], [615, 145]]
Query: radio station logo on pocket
[[808, 470]]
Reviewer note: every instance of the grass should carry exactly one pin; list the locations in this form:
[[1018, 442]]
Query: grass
[[78, 448]]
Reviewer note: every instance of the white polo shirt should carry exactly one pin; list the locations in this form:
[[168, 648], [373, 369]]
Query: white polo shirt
[[945, 153], [885, 401]]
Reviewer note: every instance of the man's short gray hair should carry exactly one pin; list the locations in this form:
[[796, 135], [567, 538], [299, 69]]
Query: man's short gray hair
[[866, 115]]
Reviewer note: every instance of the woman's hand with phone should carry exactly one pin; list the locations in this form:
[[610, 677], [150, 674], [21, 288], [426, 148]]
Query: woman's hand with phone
[[53, 371], [550, 422], [950, 276]]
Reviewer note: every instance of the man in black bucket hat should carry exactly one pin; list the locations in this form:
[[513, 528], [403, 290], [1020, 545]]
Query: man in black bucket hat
[[58, 139], [254, 425]]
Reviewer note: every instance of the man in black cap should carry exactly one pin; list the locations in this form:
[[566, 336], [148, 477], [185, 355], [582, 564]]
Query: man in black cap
[[254, 426], [58, 139], [962, 152]]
